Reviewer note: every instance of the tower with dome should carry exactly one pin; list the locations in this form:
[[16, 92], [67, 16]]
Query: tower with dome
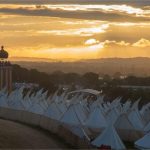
[[5, 70]]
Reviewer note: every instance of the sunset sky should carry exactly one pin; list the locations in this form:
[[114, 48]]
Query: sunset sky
[[75, 29]]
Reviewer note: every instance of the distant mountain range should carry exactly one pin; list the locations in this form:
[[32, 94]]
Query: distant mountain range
[[139, 66]]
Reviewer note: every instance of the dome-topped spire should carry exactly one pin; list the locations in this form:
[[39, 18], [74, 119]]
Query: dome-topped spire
[[3, 53], [2, 47]]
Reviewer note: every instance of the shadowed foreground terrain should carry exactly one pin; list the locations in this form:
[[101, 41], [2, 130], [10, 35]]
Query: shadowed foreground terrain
[[16, 135]]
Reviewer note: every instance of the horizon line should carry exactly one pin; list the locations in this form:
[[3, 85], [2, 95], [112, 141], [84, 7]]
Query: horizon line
[[15, 58]]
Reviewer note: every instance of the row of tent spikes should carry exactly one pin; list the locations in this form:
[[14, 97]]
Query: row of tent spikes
[[58, 99]]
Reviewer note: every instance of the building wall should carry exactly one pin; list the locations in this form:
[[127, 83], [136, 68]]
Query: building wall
[[5, 76]]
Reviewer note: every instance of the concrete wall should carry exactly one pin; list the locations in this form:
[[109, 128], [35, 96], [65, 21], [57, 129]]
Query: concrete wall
[[45, 123], [57, 128]]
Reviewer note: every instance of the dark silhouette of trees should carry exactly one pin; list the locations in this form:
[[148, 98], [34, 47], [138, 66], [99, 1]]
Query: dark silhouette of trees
[[111, 87], [33, 76], [90, 79], [117, 75], [72, 78]]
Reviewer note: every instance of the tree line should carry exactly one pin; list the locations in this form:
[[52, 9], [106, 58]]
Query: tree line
[[108, 84]]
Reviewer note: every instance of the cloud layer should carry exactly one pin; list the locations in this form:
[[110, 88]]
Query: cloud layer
[[95, 12], [77, 29]]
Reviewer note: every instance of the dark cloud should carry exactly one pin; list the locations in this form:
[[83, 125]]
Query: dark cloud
[[109, 2], [95, 15]]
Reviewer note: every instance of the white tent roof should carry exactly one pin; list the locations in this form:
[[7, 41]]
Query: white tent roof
[[15, 99], [123, 123], [81, 112], [136, 120], [112, 116], [38, 93], [126, 106], [3, 101], [96, 119], [26, 103], [97, 102], [60, 98], [18, 105], [135, 105], [109, 137], [62, 107], [144, 142], [36, 108], [44, 104], [147, 127], [70, 117], [53, 111]]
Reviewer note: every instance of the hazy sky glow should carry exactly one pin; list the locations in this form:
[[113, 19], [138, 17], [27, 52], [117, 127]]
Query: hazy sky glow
[[75, 30]]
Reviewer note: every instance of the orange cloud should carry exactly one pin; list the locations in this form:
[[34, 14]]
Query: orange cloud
[[142, 43]]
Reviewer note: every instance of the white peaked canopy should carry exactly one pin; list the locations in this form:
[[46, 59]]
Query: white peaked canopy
[[147, 127], [109, 137], [38, 93], [112, 116], [44, 95], [144, 142], [136, 120], [145, 112], [135, 105], [36, 97], [70, 117], [19, 93], [116, 102], [54, 96], [17, 104], [26, 101], [96, 119], [106, 107], [73, 100], [44, 104], [60, 98], [43, 100], [126, 106], [135, 117], [53, 111], [3, 100], [12, 96], [103, 110], [123, 122], [146, 115], [81, 112], [62, 106], [15, 100], [36, 108], [143, 109], [84, 104], [97, 102], [3, 92], [33, 98], [60, 102]]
